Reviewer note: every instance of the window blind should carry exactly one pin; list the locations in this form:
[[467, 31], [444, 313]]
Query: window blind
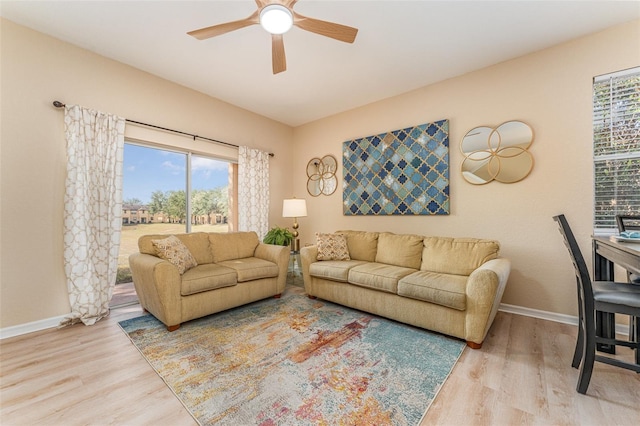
[[616, 146]]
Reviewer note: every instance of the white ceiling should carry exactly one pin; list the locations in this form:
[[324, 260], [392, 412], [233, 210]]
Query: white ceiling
[[401, 45]]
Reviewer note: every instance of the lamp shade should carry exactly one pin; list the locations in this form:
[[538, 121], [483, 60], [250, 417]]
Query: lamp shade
[[294, 208]]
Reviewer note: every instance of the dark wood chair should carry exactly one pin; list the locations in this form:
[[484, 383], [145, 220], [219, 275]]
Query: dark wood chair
[[628, 222], [598, 296]]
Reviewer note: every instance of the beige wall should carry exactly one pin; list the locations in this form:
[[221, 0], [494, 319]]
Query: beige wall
[[551, 91], [36, 70]]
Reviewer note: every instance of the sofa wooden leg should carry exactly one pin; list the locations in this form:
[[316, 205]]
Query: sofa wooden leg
[[173, 327], [277, 296], [312, 297], [474, 345]]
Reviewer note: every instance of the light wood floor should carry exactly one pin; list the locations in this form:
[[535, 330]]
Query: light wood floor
[[522, 375]]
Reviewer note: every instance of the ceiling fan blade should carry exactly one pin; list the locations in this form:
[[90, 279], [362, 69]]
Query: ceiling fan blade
[[325, 28], [278, 59], [216, 30]]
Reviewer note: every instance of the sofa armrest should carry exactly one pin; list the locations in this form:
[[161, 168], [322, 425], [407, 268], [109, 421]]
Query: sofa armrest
[[278, 255], [308, 255], [157, 283], [485, 287]]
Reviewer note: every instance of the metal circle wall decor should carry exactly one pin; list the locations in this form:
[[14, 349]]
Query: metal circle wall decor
[[321, 173], [499, 154]]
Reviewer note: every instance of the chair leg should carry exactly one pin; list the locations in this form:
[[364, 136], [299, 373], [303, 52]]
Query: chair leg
[[577, 353], [588, 358], [606, 327], [636, 323]]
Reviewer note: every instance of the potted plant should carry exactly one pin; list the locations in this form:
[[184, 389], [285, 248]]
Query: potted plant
[[278, 236]]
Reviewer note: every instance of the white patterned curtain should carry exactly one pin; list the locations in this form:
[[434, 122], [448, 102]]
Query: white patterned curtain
[[93, 210], [253, 191]]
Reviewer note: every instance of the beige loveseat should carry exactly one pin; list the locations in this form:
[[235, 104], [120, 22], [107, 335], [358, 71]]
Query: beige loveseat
[[449, 285], [232, 269]]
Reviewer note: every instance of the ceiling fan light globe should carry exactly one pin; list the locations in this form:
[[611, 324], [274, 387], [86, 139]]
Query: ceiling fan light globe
[[276, 19]]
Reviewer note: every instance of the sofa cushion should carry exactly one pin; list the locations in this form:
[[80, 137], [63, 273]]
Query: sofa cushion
[[378, 276], [175, 252], [196, 242], [207, 277], [442, 289], [399, 250], [232, 245], [332, 247], [251, 268], [335, 270], [362, 245], [459, 256]]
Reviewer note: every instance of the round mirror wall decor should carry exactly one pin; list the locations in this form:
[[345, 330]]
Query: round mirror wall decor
[[499, 153], [322, 176]]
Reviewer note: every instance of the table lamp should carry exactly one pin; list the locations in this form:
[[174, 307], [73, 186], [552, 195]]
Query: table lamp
[[294, 208]]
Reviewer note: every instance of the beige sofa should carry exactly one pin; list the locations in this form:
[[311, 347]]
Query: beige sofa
[[448, 285], [232, 269]]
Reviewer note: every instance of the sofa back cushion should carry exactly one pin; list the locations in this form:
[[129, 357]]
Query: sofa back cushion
[[232, 245], [196, 242], [362, 245], [458, 256], [399, 250]]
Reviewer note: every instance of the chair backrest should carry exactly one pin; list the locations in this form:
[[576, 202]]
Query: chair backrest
[[628, 222], [572, 245], [585, 289]]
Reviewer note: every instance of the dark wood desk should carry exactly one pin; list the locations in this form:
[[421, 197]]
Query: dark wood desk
[[607, 252]]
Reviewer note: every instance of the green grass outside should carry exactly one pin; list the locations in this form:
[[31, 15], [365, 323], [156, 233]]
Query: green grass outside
[[131, 233]]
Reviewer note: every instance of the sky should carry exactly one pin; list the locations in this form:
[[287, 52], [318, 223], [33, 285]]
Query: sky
[[149, 169]]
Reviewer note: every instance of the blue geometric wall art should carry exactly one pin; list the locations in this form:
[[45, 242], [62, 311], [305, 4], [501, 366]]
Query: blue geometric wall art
[[403, 172]]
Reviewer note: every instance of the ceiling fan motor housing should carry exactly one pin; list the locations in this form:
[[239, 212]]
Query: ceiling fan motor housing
[[276, 19]]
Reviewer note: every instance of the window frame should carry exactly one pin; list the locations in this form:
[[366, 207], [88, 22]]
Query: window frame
[[188, 157]]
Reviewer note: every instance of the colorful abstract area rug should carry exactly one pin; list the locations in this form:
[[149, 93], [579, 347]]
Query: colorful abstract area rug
[[297, 361]]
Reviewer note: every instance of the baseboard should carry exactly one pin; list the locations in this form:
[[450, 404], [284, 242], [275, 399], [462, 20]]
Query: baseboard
[[552, 316], [44, 324], [30, 327], [536, 313]]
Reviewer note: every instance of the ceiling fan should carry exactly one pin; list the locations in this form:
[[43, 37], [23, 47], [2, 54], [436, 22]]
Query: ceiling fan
[[277, 17]]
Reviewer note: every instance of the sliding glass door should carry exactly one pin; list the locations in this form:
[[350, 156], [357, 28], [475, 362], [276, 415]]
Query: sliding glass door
[[169, 192]]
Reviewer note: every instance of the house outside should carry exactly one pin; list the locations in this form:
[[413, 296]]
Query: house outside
[[133, 214]]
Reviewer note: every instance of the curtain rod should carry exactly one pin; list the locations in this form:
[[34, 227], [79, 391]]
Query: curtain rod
[[59, 104]]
